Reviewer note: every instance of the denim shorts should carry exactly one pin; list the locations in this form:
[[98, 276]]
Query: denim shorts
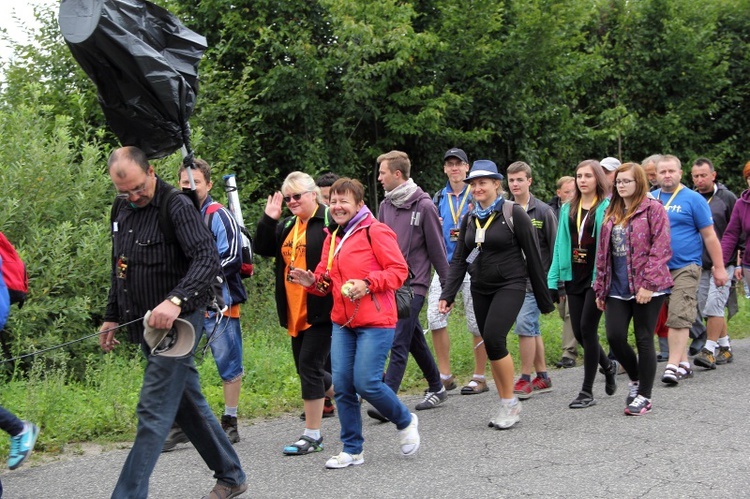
[[527, 322], [225, 340], [713, 300]]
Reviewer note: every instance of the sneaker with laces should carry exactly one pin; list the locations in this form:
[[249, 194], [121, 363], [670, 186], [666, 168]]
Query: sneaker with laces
[[175, 436], [633, 387], [705, 358], [409, 437], [541, 385], [723, 356], [432, 400], [639, 406], [508, 415], [229, 425], [345, 459], [523, 389], [22, 444], [221, 491]]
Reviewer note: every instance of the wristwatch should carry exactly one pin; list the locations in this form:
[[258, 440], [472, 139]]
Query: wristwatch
[[367, 285], [176, 300]]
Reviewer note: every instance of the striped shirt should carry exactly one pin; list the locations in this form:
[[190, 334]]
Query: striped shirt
[[146, 269]]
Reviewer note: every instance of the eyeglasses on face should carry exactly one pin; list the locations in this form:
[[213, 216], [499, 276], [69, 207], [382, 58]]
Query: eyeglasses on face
[[296, 197], [138, 191], [623, 181], [454, 164]]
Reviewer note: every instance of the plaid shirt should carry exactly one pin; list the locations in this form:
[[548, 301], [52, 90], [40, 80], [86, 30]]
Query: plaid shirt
[[146, 269]]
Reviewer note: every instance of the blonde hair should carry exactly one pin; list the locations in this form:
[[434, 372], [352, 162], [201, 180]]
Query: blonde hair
[[302, 182]]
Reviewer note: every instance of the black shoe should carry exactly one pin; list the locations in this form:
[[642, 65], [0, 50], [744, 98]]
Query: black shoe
[[375, 414], [610, 375], [582, 401], [566, 363], [176, 436], [229, 425]]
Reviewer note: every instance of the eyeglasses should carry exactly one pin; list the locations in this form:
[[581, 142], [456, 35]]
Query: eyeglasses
[[296, 197], [135, 192], [623, 181], [454, 164]]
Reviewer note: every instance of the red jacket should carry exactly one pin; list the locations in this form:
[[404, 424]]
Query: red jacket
[[371, 252]]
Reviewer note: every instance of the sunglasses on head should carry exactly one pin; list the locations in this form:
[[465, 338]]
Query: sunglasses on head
[[296, 197]]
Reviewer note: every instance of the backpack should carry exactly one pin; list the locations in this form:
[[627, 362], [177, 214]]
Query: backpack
[[247, 241], [14, 272]]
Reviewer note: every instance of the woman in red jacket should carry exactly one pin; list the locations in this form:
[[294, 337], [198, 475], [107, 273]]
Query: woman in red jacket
[[632, 278], [361, 266]]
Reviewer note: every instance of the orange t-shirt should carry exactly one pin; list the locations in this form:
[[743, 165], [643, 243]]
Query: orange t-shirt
[[294, 252]]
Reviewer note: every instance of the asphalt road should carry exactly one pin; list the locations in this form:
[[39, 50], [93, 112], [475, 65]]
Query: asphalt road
[[693, 444]]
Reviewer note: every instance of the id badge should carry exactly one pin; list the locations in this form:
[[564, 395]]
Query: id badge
[[580, 255], [454, 234], [472, 256], [479, 236]]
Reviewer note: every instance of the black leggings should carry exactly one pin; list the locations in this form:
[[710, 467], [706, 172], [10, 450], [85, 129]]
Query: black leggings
[[495, 315], [584, 317], [618, 315]]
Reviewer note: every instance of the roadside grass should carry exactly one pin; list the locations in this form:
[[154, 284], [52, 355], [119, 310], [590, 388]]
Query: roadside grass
[[100, 408]]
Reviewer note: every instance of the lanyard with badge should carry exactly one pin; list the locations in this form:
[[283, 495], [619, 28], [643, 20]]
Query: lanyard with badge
[[456, 214], [580, 255], [325, 280], [479, 237], [673, 196]]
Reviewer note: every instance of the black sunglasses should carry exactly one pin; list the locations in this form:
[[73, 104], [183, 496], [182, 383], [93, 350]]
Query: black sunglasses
[[296, 197]]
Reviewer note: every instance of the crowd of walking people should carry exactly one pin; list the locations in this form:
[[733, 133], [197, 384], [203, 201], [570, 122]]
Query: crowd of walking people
[[628, 241]]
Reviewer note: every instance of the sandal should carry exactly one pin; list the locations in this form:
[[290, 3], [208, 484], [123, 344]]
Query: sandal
[[308, 446], [474, 387], [582, 401]]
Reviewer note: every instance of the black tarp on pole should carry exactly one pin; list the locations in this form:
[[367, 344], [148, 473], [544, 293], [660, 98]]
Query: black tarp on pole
[[144, 63]]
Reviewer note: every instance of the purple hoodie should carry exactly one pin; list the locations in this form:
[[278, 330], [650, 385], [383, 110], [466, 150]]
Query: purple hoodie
[[737, 231], [420, 236]]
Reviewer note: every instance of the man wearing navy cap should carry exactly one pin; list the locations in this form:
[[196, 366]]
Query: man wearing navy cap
[[453, 202]]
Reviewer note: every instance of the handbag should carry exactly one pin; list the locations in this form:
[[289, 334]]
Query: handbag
[[404, 296]]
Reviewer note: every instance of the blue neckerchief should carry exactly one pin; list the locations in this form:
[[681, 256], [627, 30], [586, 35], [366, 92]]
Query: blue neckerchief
[[481, 214]]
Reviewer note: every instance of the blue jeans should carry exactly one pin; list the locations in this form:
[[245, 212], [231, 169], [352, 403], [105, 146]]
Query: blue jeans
[[409, 338], [225, 340], [9, 422], [357, 358], [171, 392]]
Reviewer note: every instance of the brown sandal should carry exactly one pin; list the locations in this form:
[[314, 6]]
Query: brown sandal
[[480, 387]]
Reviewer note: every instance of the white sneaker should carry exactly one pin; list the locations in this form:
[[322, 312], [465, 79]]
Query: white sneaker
[[507, 417], [410, 437], [345, 459]]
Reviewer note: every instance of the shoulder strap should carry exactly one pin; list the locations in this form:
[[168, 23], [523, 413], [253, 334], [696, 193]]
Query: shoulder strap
[[508, 213], [436, 198], [210, 210], [165, 221]]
